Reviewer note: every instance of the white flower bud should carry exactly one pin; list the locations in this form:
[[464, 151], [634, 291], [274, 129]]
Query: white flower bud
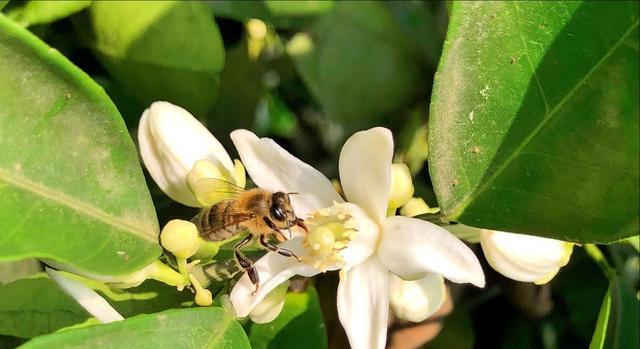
[[171, 141], [180, 238], [524, 257], [401, 186], [416, 300], [271, 306]]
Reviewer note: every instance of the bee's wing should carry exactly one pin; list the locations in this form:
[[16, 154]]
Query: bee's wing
[[219, 222], [214, 190]]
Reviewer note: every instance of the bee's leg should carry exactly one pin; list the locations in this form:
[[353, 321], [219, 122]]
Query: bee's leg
[[247, 264], [276, 249]]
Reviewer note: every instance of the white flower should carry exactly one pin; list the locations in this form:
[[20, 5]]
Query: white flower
[[356, 237], [171, 142], [524, 257]]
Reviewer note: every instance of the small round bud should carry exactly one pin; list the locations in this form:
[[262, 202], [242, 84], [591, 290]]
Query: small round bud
[[203, 298], [180, 238], [401, 186]]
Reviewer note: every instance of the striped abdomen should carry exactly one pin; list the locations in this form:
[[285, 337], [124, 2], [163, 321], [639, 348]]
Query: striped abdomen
[[219, 221]]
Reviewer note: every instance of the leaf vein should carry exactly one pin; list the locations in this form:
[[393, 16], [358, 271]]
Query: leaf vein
[[546, 118], [76, 205]]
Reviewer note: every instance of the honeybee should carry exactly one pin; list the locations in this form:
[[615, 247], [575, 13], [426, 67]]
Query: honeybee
[[261, 212]]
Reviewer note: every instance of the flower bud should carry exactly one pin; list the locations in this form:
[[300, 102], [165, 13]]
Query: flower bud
[[525, 258], [203, 298], [202, 189], [180, 238], [416, 300], [401, 186], [171, 141], [271, 306], [415, 207]]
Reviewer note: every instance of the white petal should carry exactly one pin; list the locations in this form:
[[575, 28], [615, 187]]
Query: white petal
[[524, 257], [171, 140], [363, 305], [365, 170], [273, 168], [417, 300], [411, 247], [86, 297], [273, 269]]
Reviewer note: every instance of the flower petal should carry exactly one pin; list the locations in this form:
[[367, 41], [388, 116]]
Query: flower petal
[[411, 247], [363, 304], [273, 168], [273, 269], [417, 300], [524, 257], [365, 170], [86, 297], [171, 140]]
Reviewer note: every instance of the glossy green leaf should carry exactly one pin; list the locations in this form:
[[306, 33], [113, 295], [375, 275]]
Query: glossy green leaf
[[357, 64], [159, 50], [36, 306], [617, 326], [534, 118], [11, 271], [299, 322], [195, 328], [71, 186], [43, 12]]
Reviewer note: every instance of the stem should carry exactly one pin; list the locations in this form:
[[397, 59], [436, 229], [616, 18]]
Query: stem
[[163, 273], [594, 252]]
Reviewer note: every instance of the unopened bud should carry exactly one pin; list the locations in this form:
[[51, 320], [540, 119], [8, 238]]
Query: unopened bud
[[271, 306], [203, 298], [416, 300], [180, 238], [401, 186]]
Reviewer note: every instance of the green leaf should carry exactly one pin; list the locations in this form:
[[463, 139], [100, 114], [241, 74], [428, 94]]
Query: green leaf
[[160, 50], [618, 320], [282, 14], [44, 12], [357, 64], [195, 328], [71, 186], [3, 3], [299, 322], [11, 271], [534, 118], [36, 306]]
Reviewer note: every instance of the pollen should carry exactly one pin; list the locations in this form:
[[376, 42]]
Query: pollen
[[330, 230]]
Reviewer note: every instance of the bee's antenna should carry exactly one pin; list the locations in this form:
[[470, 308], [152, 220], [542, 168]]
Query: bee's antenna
[[292, 193]]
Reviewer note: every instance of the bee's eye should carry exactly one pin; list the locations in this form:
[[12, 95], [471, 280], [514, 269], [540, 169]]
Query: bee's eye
[[277, 214]]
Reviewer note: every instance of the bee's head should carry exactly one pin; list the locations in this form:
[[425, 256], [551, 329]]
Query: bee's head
[[281, 209], [282, 212]]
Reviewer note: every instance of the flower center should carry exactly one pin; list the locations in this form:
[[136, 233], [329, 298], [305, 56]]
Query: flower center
[[330, 230]]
